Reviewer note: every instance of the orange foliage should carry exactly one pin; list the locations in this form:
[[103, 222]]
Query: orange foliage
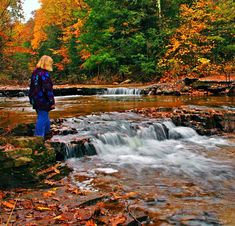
[[21, 33], [60, 14], [189, 46]]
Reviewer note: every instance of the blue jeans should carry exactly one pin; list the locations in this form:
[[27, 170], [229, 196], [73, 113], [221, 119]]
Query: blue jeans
[[42, 124]]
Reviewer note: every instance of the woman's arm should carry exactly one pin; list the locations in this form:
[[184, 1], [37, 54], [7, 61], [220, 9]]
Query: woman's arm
[[47, 88]]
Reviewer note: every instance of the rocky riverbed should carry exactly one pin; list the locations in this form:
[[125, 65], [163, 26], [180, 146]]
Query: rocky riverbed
[[104, 194], [20, 151]]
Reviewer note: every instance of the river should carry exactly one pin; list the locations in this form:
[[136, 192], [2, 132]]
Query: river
[[18, 110], [186, 180]]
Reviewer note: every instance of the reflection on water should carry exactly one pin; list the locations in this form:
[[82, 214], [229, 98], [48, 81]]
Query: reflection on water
[[71, 106]]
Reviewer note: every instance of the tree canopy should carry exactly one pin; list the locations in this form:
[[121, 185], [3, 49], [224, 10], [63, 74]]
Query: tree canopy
[[143, 40]]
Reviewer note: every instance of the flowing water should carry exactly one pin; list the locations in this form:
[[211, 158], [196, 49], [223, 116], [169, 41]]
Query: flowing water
[[181, 178], [126, 139], [168, 166], [122, 91]]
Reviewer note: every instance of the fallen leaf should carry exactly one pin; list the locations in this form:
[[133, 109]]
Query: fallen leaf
[[49, 182], [130, 195], [50, 169], [91, 223], [56, 199], [61, 217], [42, 208], [1, 195], [8, 204], [63, 208], [57, 171], [48, 193], [120, 219]]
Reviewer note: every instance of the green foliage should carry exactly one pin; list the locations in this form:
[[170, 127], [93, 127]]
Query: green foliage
[[74, 57], [130, 39], [223, 31], [51, 45]]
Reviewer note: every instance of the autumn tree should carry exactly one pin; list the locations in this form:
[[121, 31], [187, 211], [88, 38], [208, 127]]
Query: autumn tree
[[10, 13], [20, 51], [56, 25], [201, 41]]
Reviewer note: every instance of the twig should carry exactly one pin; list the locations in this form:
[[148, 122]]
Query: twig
[[9, 218], [129, 212]]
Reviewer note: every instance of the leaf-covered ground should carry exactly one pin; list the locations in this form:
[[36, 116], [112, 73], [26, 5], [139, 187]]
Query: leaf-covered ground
[[111, 202]]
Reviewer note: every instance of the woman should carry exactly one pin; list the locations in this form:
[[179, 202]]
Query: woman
[[41, 95]]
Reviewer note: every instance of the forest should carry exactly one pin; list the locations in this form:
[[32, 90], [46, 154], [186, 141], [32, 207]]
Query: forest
[[142, 128], [110, 40]]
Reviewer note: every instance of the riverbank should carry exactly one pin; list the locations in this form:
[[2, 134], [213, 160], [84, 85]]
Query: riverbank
[[185, 87]]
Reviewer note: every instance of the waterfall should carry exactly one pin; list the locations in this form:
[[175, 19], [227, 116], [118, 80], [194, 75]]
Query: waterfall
[[126, 138], [122, 91]]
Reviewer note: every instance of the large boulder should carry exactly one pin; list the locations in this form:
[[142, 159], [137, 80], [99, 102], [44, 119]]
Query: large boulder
[[21, 158]]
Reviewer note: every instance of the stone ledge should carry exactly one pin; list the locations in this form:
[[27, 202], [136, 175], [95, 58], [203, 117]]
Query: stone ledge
[[21, 158]]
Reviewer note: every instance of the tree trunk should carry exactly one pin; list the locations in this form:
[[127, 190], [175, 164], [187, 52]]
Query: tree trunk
[[159, 9]]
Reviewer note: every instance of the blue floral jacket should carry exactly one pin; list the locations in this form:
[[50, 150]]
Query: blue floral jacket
[[41, 90]]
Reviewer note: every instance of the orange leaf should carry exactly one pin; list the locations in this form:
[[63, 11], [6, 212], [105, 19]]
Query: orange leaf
[[42, 208], [48, 193], [91, 223], [130, 195], [8, 204], [49, 182], [120, 219], [61, 217], [1, 195]]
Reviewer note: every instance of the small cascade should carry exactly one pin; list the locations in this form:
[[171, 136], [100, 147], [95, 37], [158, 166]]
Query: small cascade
[[128, 139], [123, 91]]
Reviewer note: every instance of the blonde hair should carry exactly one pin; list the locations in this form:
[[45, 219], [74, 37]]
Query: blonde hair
[[45, 63]]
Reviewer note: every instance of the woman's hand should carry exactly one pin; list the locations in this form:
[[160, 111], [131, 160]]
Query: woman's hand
[[52, 106]]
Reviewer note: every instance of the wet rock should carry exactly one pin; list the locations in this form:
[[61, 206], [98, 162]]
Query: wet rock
[[21, 94], [185, 218], [79, 147], [18, 152], [22, 161], [205, 122], [185, 89], [170, 91], [3, 141], [190, 81], [21, 158], [24, 142], [23, 130], [64, 131]]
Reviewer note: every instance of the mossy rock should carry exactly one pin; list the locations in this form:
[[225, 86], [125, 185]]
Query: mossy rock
[[26, 142], [7, 164], [14, 153], [23, 157], [22, 161], [23, 130]]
